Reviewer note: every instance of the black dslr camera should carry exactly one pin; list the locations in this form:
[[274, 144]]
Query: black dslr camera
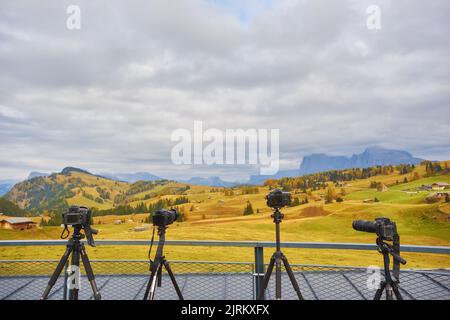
[[278, 199], [80, 218], [383, 227], [162, 218], [77, 216]]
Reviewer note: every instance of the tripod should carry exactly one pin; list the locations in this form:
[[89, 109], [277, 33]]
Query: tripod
[[390, 284], [77, 249], [156, 269], [276, 260]]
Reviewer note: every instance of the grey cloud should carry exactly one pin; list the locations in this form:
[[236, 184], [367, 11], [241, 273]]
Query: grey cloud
[[108, 96]]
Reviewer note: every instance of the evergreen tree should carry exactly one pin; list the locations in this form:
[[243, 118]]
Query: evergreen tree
[[295, 202], [329, 196], [248, 209]]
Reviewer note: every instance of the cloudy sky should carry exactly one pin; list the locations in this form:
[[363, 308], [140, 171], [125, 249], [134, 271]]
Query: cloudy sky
[[108, 96]]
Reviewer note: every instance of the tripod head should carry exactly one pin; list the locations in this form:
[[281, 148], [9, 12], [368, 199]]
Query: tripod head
[[77, 235], [277, 215], [393, 249]]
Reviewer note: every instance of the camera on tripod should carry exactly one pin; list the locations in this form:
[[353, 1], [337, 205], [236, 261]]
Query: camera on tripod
[[162, 218], [80, 218], [278, 199], [386, 230], [383, 227]]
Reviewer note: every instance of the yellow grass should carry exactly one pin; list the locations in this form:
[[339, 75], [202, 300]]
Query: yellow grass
[[219, 217]]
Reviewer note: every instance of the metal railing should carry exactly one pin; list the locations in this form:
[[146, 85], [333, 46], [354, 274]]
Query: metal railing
[[254, 244], [125, 279]]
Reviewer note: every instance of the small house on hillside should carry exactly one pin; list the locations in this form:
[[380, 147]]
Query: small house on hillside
[[382, 187], [440, 186], [17, 224]]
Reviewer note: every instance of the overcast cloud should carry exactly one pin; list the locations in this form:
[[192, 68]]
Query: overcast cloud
[[107, 97]]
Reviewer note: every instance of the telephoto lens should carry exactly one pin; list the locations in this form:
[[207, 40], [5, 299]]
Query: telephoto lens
[[164, 217], [364, 226]]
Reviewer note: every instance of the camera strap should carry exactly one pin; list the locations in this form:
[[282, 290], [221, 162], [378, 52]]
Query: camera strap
[[151, 245], [65, 233]]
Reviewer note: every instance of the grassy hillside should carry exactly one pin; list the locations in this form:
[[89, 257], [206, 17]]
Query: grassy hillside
[[217, 213], [54, 193], [9, 208]]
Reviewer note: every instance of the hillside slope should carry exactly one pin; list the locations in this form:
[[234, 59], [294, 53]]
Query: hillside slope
[[75, 186]]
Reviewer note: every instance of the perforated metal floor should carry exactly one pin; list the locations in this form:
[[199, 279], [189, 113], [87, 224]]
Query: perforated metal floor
[[346, 284]]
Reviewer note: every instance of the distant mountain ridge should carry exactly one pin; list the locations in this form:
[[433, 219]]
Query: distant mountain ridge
[[6, 185], [53, 193], [34, 174], [374, 156], [211, 182], [320, 162], [132, 177]]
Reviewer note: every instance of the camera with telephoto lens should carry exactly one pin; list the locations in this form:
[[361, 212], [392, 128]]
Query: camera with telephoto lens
[[278, 199], [383, 227], [162, 218], [80, 218]]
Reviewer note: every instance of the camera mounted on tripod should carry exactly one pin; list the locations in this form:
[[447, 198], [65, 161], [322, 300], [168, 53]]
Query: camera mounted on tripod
[[386, 230], [163, 218], [79, 218]]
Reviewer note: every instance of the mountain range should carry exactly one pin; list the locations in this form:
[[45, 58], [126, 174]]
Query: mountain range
[[319, 162], [374, 156], [313, 163], [131, 177], [6, 185], [211, 182]]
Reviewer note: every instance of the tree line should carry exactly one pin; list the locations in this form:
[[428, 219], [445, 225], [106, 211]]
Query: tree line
[[317, 181]]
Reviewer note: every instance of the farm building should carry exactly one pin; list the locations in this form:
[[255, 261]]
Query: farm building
[[440, 186], [17, 223]]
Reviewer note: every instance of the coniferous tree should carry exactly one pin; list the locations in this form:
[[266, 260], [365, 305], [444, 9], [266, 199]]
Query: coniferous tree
[[248, 209]]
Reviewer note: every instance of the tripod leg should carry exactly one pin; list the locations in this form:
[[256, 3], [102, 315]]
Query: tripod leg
[[151, 286], [292, 277], [172, 277], [379, 292], [159, 276], [75, 267], [278, 277], [90, 273], [397, 292], [57, 272], [266, 279]]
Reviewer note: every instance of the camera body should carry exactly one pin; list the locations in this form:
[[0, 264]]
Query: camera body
[[383, 227], [162, 217], [80, 218], [77, 216], [278, 199]]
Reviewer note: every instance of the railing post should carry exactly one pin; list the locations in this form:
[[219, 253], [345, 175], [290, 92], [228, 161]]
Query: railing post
[[259, 269]]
